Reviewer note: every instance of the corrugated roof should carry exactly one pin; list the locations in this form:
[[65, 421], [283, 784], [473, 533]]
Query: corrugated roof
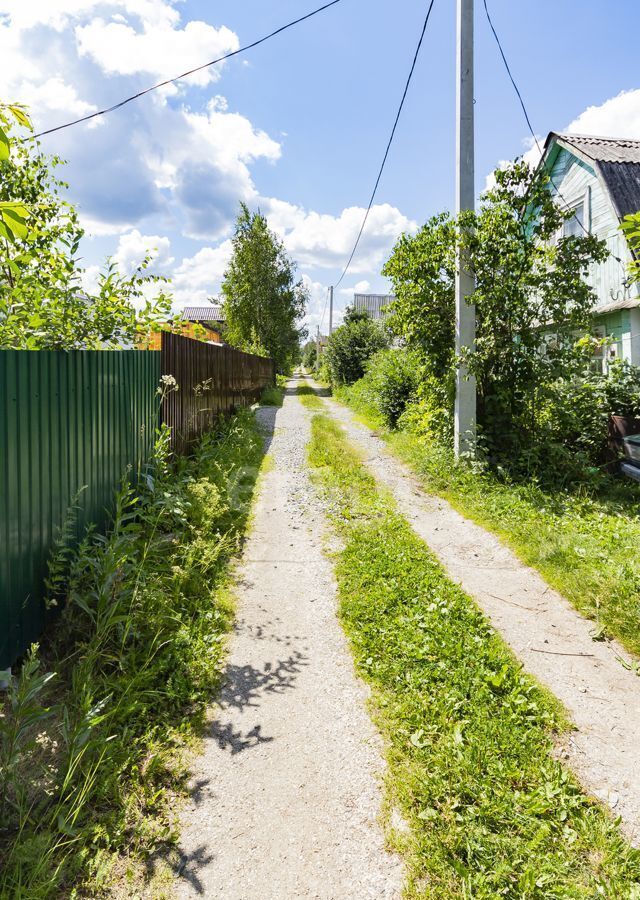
[[208, 313], [604, 149], [617, 160]]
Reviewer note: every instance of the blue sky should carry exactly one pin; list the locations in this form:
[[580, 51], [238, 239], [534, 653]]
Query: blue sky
[[298, 125]]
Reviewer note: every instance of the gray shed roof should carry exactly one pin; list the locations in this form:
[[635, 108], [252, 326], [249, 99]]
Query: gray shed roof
[[208, 313], [616, 160]]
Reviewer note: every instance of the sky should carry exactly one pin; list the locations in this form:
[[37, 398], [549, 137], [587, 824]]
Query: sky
[[296, 127]]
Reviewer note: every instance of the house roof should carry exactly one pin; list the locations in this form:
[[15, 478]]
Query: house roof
[[209, 313], [616, 160]]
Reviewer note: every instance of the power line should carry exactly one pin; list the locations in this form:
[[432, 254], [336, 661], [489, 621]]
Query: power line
[[386, 153], [207, 65], [567, 206]]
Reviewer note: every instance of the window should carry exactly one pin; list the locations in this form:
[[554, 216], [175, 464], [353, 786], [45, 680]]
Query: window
[[575, 226]]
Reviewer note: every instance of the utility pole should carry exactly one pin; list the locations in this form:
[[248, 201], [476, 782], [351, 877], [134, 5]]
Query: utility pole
[[317, 348], [465, 407], [330, 310]]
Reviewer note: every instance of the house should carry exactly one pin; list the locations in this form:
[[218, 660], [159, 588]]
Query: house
[[203, 323], [598, 179], [210, 316], [374, 304]]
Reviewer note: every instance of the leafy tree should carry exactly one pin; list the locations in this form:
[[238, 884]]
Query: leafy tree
[[42, 302], [263, 302], [352, 345], [531, 298], [309, 354]]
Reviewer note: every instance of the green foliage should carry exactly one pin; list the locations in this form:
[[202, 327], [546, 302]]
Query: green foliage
[[631, 229], [138, 654], [392, 381], [42, 302], [422, 272], [309, 355], [469, 736], [531, 297], [263, 302], [351, 346], [582, 539]]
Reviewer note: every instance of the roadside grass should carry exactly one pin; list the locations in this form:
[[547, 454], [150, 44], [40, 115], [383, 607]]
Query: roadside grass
[[273, 395], [93, 762], [585, 545], [309, 397], [468, 736]]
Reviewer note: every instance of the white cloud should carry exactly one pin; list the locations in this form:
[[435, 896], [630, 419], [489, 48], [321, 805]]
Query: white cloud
[[361, 287], [134, 246], [57, 14], [120, 49], [198, 277], [322, 240], [617, 117]]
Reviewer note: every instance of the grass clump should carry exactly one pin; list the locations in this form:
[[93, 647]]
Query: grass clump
[[583, 542], [309, 397], [468, 735], [93, 760]]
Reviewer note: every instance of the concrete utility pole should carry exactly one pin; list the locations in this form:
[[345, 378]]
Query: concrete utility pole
[[330, 310], [465, 408], [317, 347]]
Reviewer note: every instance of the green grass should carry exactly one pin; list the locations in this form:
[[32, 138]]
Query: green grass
[[93, 762], [309, 397], [468, 735], [586, 546], [272, 396]]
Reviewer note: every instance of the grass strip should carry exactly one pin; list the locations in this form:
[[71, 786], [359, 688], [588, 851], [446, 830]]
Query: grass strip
[[584, 544], [468, 735], [93, 760], [309, 397]]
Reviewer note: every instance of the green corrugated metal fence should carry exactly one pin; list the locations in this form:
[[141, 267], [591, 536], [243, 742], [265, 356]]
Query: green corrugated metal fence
[[67, 420]]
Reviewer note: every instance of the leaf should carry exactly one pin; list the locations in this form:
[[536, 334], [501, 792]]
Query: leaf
[[428, 813], [4, 145], [20, 116], [457, 734]]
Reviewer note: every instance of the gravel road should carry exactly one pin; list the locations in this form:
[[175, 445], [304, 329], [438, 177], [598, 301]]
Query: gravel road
[[286, 795], [551, 639]]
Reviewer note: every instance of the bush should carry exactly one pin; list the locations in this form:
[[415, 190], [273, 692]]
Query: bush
[[577, 413], [392, 380], [351, 346]]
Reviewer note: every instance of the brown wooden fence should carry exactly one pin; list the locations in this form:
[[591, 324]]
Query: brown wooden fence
[[211, 380]]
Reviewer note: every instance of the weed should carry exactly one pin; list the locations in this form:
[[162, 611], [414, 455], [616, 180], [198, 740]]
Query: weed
[[93, 775]]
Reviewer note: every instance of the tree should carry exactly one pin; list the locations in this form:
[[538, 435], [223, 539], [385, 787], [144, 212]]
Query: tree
[[531, 299], [42, 302], [263, 302], [309, 354], [352, 345]]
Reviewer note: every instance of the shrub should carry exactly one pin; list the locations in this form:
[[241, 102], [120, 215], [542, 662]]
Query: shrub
[[351, 346], [392, 379]]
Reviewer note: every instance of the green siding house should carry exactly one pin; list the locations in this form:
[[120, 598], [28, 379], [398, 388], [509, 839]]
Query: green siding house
[[599, 180]]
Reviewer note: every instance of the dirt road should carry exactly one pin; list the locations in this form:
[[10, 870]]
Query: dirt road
[[287, 795]]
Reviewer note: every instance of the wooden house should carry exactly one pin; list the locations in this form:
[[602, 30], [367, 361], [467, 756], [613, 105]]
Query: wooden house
[[598, 179]]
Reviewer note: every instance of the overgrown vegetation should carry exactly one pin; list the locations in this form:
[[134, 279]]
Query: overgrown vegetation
[[351, 346], [583, 542], [92, 760], [44, 304], [263, 302], [531, 298], [468, 735]]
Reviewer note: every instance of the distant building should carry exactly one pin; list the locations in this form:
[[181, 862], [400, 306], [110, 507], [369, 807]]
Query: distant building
[[374, 304], [210, 315]]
